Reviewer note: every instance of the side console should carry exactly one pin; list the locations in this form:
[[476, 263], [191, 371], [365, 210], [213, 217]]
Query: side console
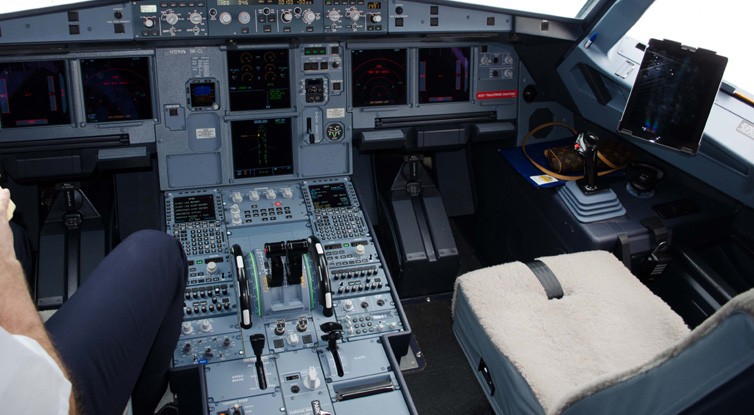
[[289, 307]]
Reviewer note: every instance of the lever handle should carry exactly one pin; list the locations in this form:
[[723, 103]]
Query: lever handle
[[317, 253], [257, 345]]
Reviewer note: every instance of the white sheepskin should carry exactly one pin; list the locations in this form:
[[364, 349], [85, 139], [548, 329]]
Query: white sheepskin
[[607, 322]]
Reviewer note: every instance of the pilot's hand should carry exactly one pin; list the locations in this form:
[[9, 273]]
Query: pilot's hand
[[6, 235]]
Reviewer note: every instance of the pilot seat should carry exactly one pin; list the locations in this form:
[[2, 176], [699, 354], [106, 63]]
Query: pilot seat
[[578, 333]]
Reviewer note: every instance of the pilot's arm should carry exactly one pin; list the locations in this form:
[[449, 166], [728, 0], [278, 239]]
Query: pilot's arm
[[33, 379]]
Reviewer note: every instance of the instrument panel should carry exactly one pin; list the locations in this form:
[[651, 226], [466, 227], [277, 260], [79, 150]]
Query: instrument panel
[[289, 306], [276, 111]]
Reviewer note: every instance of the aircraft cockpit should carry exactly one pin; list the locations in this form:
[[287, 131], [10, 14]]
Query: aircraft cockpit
[[331, 168]]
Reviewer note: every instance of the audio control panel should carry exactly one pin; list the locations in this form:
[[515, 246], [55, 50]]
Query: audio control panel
[[289, 307]]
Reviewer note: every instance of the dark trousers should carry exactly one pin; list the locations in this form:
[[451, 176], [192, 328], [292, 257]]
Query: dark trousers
[[117, 333]]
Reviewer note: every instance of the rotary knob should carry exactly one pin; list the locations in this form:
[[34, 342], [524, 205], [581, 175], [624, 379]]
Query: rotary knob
[[253, 195], [308, 16], [244, 17], [287, 193], [225, 18], [376, 18], [355, 15], [235, 210], [211, 268], [311, 380], [148, 23], [205, 326], [286, 16], [333, 15], [270, 194], [171, 18], [236, 197], [348, 305], [187, 328], [195, 18], [360, 250]]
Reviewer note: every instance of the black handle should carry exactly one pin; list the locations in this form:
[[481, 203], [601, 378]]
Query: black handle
[[257, 344]]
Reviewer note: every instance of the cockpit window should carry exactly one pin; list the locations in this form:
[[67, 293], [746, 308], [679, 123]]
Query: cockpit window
[[723, 28], [563, 8]]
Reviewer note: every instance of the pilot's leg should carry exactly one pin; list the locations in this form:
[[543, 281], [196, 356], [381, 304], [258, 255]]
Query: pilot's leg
[[117, 333]]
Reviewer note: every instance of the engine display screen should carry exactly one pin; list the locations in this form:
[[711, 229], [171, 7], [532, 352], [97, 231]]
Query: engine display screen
[[33, 93], [379, 77], [331, 195], [117, 89], [262, 148], [259, 79], [443, 75], [673, 94], [193, 208]]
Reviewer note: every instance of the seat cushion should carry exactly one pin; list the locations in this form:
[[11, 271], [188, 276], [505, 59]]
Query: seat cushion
[[607, 321]]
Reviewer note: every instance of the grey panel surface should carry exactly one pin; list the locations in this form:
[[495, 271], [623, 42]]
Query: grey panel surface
[[191, 170], [113, 22], [415, 17], [325, 159]]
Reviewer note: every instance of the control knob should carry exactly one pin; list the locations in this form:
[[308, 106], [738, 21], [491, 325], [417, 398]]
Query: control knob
[[253, 195], [286, 16], [311, 380], [225, 18], [287, 193], [244, 17], [333, 15], [360, 250], [376, 18], [187, 348], [270, 194], [187, 328], [235, 210], [355, 15], [148, 23], [308, 16], [348, 305], [293, 339], [195, 18], [237, 197], [211, 268], [205, 326], [171, 18]]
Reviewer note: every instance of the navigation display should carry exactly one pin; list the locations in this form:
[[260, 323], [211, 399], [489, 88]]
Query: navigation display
[[332, 195], [673, 94], [379, 77], [262, 148], [443, 75], [117, 89], [33, 93], [259, 79], [193, 208]]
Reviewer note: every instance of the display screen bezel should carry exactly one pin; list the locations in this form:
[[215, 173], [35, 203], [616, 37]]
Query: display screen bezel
[[241, 167], [145, 72], [63, 101], [657, 111]]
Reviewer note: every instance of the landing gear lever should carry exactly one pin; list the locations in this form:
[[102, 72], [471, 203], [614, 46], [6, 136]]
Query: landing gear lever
[[257, 344], [333, 333]]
